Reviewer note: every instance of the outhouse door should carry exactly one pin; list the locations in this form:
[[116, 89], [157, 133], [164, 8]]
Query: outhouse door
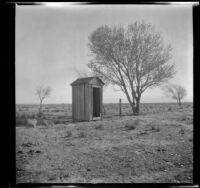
[[96, 102]]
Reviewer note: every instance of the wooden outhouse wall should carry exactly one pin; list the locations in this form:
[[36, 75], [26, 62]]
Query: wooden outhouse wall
[[78, 103], [82, 101]]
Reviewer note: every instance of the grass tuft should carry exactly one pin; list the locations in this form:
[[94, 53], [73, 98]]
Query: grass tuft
[[182, 131], [82, 134], [99, 126], [129, 127], [69, 134]]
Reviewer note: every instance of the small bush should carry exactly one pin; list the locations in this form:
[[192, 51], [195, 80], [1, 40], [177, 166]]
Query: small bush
[[154, 129], [57, 121], [99, 126], [69, 134], [190, 139], [182, 131], [31, 116], [142, 133], [137, 122], [56, 110], [169, 109], [129, 127], [186, 119], [48, 123], [21, 121], [23, 116], [161, 149], [82, 135]]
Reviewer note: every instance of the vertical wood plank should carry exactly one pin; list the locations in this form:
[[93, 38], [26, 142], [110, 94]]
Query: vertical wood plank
[[91, 91], [90, 102], [75, 101], [72, 103], [87, 103], [76, 106], [82, 102], [78, 102], [101, 102]]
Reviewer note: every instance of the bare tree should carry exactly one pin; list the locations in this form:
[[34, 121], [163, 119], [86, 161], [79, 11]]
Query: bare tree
[[133, 58], [42, 92], [176, 92]]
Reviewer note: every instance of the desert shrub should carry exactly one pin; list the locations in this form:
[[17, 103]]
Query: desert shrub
[[58, 121], [169, 109], [82, 134], [48, 123], [142, 133], [31, 116], [55, 110], [182, 131], [161, 149], [69, 134], [23, 116], [17, 114], [60, 117], [26, 122], [129, 126], [154, 129], [186, 119], [21, 121], [190, 139], [40, 121], [99, 126], [137, 122], [44, 122], [31, 123]]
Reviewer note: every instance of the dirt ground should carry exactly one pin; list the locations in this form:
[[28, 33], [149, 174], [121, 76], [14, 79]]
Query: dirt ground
[[153, 147]]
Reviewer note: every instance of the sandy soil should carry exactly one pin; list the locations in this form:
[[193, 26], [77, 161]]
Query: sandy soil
[[150, 148]]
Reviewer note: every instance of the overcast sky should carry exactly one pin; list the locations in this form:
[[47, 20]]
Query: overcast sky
[[51, 42]]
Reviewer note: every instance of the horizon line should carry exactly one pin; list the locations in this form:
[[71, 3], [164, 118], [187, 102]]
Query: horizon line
[[104, 103]]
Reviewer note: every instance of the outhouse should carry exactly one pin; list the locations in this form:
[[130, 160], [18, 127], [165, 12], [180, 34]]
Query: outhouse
[[87, 99]]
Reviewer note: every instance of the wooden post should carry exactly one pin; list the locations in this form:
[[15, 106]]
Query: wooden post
[[120, 107]]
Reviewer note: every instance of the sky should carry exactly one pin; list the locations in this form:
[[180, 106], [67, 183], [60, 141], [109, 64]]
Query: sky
[[52, 42]]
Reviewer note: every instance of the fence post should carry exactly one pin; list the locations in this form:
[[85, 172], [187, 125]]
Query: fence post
[[120, 107]]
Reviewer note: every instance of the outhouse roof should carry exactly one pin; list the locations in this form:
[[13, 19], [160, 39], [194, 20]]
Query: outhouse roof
[[87, 80]]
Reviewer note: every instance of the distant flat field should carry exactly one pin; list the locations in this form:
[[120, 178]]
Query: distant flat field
[[153, 147]]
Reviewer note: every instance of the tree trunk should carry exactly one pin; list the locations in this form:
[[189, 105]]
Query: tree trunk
[[40, 110], [132, 104], [133, 107], [120, 107], [179, 103], [137, 107]]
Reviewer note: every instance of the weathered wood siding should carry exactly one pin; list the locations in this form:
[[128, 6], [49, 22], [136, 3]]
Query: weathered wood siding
[[73, 104], [82, 100], [95, 82], [101, 101], [78, 103], [88, 102]]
